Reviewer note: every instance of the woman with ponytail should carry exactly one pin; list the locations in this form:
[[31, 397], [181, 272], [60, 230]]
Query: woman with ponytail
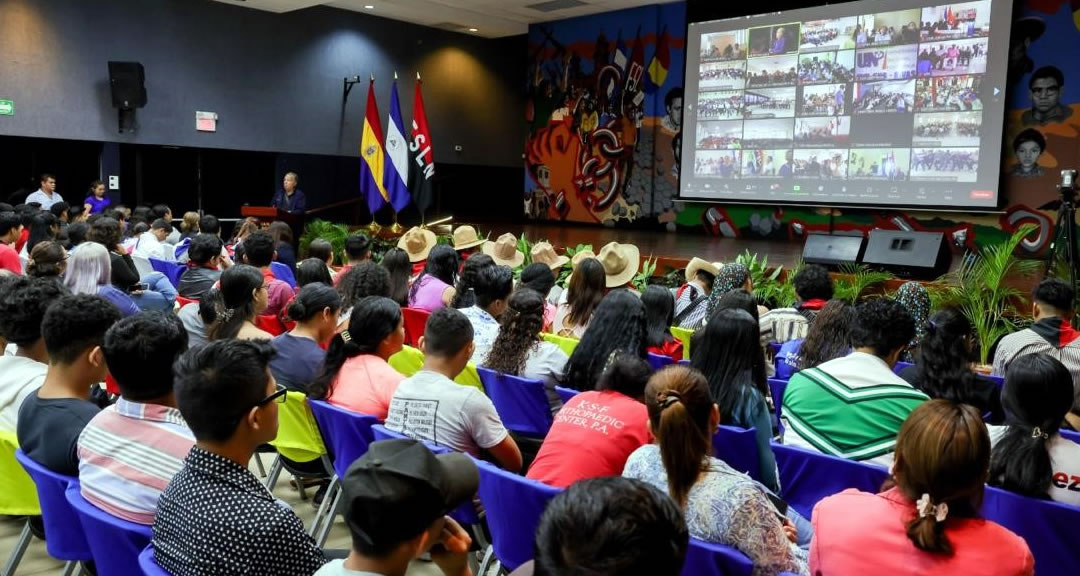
[[721, 505], [299, 354], [356, 375], [465, 290], [1029, 455], [928, 523], [243, 296]]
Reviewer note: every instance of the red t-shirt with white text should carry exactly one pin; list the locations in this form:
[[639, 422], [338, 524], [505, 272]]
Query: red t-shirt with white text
[[9, 259]]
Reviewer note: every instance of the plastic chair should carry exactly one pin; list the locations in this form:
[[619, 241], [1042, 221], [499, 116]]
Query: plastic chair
[[708, 559], [142, 265], [900, 366], [181, 301], [115, 543], [171, 270], [298, 440], [566, 344], [148, 565], [284, 273], [64, 539], [415, 321], [1048, 527], [565, 394], [684, 336], [513, 504], [408, 361], [658, 361], [18, 497], [737, 447], [522, 403], [776, 390], [1070, 435], [270, 323], [470, 377], [774, 349], [807, 476]]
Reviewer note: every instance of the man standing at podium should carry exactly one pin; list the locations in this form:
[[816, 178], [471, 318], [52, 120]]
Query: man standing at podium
[[290, 198]]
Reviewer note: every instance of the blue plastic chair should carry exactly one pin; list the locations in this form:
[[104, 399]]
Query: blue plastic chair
[[658, 361], [900, 366], [776, 390], [513, 505], [381, 433], [522, 403], [738, 448], [774, 348], [64, 539], [708, 559], [284, 273], [565, 394], [172, 270], [807, 476], [1070, 435], [115, 543], [1048, 527], [148, 565]]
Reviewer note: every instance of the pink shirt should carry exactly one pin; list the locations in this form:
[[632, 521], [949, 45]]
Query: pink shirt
[[858, 533], [278, 293], [428, 294], [9, 259], [366, 384]]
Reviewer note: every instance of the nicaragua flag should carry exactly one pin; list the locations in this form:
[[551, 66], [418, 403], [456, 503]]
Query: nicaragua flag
[[397, 156], [371, 152]]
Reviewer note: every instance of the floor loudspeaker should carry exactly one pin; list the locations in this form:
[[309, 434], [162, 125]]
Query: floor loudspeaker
[[922, 255], [832, 251]]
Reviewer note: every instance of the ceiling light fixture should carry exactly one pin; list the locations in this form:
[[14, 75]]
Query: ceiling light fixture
[[369, 7], [473, 30]]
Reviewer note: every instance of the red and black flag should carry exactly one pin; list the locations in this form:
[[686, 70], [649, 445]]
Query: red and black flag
[[421, 158]]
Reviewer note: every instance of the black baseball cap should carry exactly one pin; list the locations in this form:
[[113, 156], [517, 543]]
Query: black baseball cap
[[399, 487]]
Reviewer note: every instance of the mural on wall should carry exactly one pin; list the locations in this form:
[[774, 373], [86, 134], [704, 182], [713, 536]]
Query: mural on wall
[[605, 132]]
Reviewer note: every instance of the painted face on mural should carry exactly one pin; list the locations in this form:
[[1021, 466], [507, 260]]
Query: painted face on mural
[[1028, 155], [1045, 93], [674, 111]]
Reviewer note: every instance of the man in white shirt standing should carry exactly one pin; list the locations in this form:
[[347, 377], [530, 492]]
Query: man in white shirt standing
[[46, 194]]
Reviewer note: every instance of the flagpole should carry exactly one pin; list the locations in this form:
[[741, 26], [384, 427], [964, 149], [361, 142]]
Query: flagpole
[[396, 228], [422, 218], [374, 227]]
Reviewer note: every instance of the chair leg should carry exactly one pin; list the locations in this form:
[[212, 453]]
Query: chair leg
[[70, 567], [300, 486], [20, 549], [259, 465], [328, 523], [275, 472], [324, 508], [489, 555]]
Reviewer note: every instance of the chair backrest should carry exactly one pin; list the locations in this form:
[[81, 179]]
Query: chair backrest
[[171, 270], [148, 565], [658, 361], [115, 543], [1070, 435], [566, 344], [470, 377], [345, 433], [708, 559], [270, 323], [565, 394], [298, 437], [522, 403], [776, 390], [774, 349], [899, 366], [738, 448], [284, 273], [1048, 527], [408, 361], [684, 336], [513, 504], [64, 539], [415, 321], [807, 476], [380, 432], [181, 301], [142, 265], [18, 496]]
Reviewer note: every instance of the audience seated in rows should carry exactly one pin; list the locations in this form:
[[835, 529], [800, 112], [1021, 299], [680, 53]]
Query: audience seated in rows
[[618, 325], [156, 292], [597, 430], [583, 294], [467, 281], [130, 451], [244, 295], [204, 265], [362, 280], [434, 287], [300, 357], [828, 337], [691, 300], [659, 313], [914, 297], [397, 497], [518, 349], [228, 398], [813, 288], [23, 303], [492, 289], [51, 418], [430, 406], [152, 243], [721, 505], [259, 252], [1029, 455], [356, 375], [928, 523], [89, 274], [942, 366], [541, 277], [396, 261], [47, 260], [852, 407]]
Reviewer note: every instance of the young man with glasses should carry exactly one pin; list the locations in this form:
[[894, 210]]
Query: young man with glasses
[[215, 516]]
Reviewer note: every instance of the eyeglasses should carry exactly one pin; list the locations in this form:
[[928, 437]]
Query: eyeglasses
[[278, 396]]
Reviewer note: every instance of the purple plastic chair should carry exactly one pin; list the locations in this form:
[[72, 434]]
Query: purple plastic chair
[[1070, 435], [899, 366], [565, 394], [114, 542], [658, 361], [513, 505], [148, 565], [807, 476], [737, 447], [776, 390], [522, 403], [64, 539], [284, 273], [172, 270], [1048, 527], [381, 432], [708, 559]]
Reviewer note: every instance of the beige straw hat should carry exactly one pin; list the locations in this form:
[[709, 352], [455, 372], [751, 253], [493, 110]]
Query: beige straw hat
[[699, 264], [620, 262], [544, 253], [504, 251], [417, 242], [466, 237]]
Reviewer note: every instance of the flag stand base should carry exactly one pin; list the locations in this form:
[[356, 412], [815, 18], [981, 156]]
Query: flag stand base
[[374, 228], [396, 228]]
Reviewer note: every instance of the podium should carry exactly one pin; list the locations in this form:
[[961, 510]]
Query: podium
[[267, 214]]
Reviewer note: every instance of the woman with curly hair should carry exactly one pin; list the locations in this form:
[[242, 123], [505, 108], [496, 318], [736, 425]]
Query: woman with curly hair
[[518, 349], [618, 325], [362, 280], [829, 337]]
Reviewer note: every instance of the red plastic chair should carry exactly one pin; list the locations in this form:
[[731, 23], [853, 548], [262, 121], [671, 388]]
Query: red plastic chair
[[415, 322], [270, 323], [185, 301]]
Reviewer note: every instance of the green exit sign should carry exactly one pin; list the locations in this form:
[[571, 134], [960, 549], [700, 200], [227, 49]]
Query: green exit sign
[[7, 107]]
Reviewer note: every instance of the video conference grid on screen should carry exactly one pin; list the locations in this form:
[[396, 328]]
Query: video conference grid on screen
[[880, 103]]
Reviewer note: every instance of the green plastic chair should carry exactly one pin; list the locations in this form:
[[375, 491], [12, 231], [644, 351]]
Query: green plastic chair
[[18, 496], [410, 360], [298, 437], [567, 344], [684, 336]]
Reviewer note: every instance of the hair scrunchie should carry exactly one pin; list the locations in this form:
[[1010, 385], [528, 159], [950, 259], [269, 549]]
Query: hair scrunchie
[[927, 508]]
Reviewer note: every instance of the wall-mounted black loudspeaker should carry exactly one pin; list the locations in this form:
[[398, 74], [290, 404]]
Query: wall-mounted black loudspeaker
[[832, 251], [923, 255], [128, 92]]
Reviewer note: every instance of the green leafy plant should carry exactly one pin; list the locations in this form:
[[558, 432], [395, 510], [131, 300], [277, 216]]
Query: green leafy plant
[[334, 233], [564, 272], [526, 248], [855, 279], [769, 289], [641, 279]]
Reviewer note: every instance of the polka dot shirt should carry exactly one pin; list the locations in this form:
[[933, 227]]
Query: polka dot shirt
[[216, 518]]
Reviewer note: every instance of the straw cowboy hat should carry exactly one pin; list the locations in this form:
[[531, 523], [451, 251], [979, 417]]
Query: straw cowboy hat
[[417, 243], [543, 253], [620, 262], [697, 264], [466, 237], [580, 256], [504, 251]]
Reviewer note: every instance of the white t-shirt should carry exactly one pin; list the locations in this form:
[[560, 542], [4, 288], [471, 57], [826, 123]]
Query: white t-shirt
[[547, 362], [19, 377], [41, 198], [148, 246], [431, 407], [1064, 461], [337, 568]]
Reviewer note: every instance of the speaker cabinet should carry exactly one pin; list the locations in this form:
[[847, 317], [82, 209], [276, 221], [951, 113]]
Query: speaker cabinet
[[126, 84], [832, 251], [921, 255]]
